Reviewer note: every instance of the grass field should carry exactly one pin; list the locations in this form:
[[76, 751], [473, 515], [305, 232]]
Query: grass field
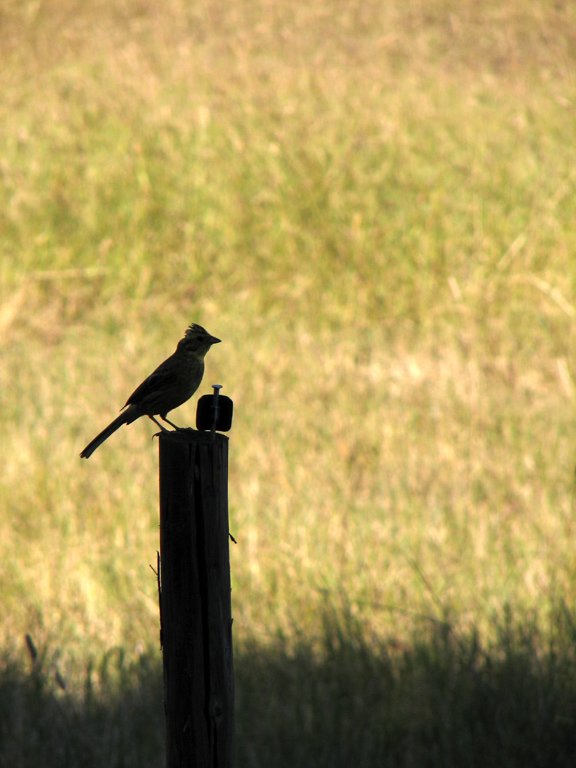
[[373, 205]]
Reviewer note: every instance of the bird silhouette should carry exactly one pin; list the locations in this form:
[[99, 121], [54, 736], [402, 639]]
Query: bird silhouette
[[171, 384]]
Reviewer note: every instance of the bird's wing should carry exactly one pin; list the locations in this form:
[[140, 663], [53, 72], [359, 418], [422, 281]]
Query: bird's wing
[[163, 378]]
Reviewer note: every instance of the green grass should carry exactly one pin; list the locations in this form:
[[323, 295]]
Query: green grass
[[373, 205]]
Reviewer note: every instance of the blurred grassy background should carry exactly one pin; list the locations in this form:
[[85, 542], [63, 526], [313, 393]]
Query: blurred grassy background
[[373, 205]]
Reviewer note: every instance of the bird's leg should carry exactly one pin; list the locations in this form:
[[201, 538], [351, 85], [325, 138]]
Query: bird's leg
[[169, 422], [162, 427]]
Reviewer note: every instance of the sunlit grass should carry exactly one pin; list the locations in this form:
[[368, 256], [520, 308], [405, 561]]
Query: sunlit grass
[[373, 205]]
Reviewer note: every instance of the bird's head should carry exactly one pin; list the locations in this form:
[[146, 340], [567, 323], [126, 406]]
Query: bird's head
[[197, 340]]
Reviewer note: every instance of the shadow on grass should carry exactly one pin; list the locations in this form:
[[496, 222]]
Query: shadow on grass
[[444, 700]]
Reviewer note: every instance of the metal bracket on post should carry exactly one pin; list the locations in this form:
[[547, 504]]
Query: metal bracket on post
[[215, 398], [214, 412]]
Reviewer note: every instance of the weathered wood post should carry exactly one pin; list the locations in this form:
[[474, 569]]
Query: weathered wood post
[[195, 601]]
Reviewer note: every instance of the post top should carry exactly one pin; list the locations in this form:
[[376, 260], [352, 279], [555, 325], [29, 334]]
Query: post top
[[190, 436]]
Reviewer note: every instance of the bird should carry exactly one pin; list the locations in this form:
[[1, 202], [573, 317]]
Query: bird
[[171, 384]]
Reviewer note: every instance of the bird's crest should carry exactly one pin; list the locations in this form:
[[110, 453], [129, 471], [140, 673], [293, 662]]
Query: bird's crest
[[194, 329]]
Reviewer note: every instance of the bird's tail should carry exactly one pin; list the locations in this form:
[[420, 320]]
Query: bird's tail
[[129, 415]]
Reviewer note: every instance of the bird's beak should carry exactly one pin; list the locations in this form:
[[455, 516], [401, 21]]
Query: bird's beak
[[214, 340]]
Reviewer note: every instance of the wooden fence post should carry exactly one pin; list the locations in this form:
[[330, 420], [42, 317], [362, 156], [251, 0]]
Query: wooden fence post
[[195, 600]]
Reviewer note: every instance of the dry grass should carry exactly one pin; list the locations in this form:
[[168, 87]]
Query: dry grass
[[373, 205]]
